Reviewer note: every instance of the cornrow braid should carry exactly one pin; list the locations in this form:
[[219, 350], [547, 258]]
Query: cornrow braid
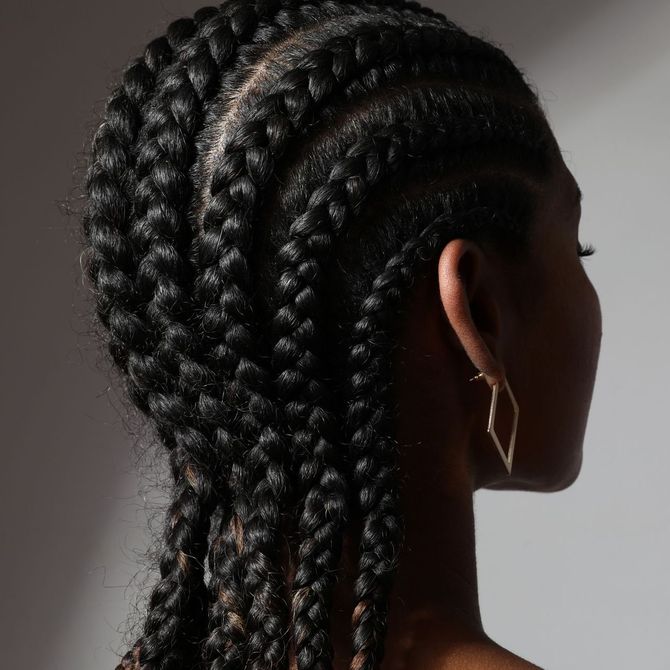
[[161, 238], [249, 156], [323, 512], [224, 274], [253, 325], [246, 383]]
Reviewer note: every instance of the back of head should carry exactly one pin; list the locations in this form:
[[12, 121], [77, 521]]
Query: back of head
[[267, 183]]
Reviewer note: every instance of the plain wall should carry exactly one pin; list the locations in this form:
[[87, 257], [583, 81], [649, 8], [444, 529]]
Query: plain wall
[[574, 579]]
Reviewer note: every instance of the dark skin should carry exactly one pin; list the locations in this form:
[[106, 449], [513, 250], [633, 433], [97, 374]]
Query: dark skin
[[537, 325]]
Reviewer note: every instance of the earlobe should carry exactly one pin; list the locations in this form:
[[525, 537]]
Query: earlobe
[[470, 305]]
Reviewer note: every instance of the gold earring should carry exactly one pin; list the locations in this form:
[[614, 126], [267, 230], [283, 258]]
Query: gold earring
[[507, 458]]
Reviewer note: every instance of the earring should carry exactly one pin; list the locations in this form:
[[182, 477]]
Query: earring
[[507, 458]]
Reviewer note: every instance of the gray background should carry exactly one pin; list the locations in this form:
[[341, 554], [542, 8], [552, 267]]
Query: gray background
[[575, 579]]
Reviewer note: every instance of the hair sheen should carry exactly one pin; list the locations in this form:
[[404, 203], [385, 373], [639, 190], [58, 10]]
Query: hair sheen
[[266, 183]]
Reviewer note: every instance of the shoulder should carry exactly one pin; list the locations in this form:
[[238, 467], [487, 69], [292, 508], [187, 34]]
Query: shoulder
[[486, 656]]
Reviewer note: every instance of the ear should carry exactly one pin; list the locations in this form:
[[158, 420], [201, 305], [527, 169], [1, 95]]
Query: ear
[[470, 304]]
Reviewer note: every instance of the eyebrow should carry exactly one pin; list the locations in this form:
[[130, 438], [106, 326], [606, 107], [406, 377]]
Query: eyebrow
[[580, 195]]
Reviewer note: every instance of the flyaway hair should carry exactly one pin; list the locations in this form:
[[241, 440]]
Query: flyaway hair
[[268, 180]]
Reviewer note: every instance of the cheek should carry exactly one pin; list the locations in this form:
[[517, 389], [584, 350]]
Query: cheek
[[581, 352], [577, 335], [562, 351], [579, 323]]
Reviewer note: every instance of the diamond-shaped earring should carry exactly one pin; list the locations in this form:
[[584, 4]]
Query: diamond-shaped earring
[[507, 458]]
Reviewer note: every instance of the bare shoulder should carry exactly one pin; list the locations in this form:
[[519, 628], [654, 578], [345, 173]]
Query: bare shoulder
[[486, 657], [509, 661]]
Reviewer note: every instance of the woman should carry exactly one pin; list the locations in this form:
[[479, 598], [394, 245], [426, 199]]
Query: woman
[[313, 230]]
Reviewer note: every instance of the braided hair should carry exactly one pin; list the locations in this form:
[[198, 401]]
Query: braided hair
[[268, 180]]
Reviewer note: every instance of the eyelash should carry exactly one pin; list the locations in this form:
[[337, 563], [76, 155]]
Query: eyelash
[[587, 250]]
